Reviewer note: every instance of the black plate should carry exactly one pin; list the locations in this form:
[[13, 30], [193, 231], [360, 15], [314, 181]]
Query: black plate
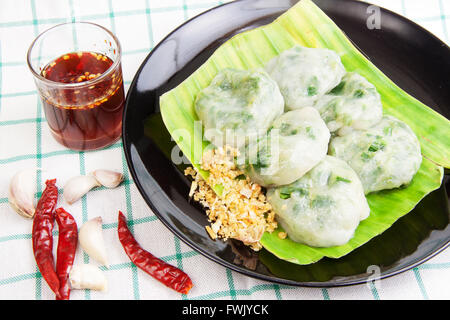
[[408, 54]]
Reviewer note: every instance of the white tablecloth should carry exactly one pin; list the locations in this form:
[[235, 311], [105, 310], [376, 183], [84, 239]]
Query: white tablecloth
[[25, 142]]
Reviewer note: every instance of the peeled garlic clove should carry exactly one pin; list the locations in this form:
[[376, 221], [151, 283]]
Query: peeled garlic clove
[[78, 186], [21, 192], [108, 178], [91, 240], [87, 276]]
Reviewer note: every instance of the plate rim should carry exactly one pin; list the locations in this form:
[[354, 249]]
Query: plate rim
[[214, 258]]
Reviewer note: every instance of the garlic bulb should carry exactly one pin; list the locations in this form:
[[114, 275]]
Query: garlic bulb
[[91, 240]]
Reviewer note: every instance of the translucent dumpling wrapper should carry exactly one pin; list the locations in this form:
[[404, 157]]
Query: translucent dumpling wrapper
[[324, 207], [297, 141], [238, 104], [386, 156], [353, 104], [305, 74]]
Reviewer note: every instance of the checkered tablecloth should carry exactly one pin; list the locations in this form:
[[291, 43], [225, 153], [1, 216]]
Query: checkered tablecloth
[[25, 142]]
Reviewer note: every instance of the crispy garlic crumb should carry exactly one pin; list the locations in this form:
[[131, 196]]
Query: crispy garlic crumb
[[242, 211], [282, 235]]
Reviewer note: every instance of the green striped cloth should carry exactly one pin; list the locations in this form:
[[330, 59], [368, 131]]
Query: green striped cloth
[[25, 142]]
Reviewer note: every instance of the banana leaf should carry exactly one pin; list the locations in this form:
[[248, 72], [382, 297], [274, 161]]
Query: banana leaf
[[309, 26]]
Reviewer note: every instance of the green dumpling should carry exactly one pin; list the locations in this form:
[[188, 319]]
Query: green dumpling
[[297, 141], [384, 156], [353, 104], [238, 104], [324, 207], [305, 74]]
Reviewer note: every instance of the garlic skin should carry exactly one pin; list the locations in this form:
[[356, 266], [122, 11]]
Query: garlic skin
[[22, 188], [107, 178], [91, 240], [87, 276], [78, 186]]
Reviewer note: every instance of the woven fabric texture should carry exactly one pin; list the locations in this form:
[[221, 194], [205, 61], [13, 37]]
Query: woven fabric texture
[[25, 142]]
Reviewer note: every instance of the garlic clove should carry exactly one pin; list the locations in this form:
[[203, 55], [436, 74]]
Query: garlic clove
[[91, 240], [78, 186], [87, 276], [108, 178], [22, 188]]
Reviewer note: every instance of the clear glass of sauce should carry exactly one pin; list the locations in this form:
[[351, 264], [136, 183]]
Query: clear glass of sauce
[[78, 74]]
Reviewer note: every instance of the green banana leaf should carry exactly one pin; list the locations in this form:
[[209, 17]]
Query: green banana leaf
[[307, 25]]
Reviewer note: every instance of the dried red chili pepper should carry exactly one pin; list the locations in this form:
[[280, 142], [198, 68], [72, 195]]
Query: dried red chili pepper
[[167, 274], [42, 234], [67, 246]]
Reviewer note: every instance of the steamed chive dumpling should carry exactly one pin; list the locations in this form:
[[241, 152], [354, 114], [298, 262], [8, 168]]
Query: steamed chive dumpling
[[296, 142], [353, 104], [238, 104], [324, 207], [385, 156], [305, 74]]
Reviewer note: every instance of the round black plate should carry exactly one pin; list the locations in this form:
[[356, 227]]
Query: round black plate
[[408, 54]]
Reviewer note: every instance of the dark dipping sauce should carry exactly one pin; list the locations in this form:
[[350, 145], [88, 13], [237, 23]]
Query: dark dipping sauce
[[87, 113]]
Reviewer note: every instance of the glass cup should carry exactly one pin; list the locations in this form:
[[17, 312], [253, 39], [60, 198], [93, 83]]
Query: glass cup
[[78, 74]]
